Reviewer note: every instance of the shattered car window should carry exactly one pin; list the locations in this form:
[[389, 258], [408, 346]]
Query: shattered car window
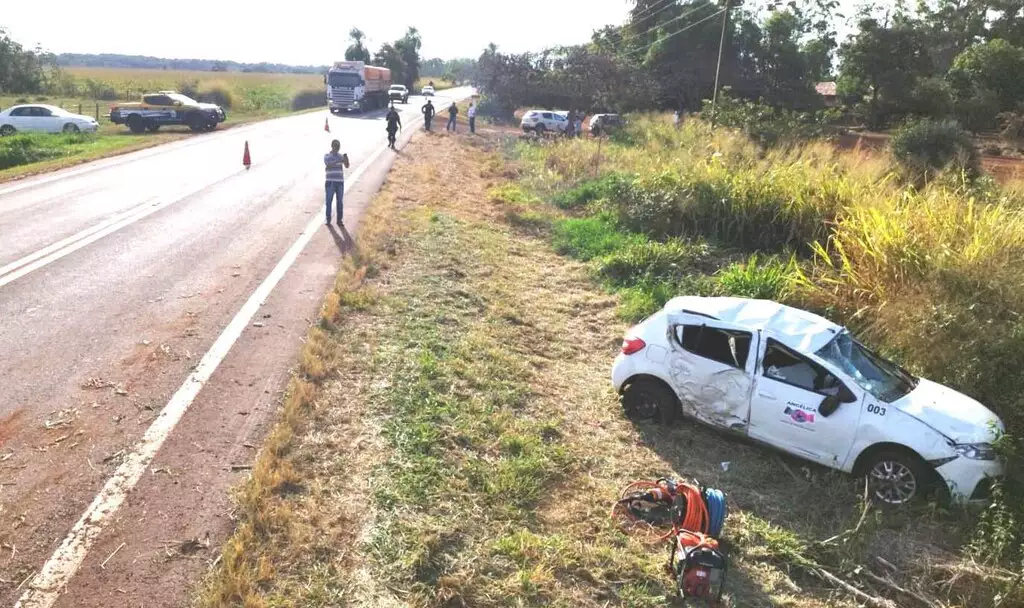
[[724, 346], [885, 381]]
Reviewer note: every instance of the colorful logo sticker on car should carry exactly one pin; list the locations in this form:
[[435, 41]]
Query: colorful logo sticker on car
[[799, 416]]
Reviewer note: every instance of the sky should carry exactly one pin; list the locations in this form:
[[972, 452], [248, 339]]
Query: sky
[[308, 32], [301, 32]]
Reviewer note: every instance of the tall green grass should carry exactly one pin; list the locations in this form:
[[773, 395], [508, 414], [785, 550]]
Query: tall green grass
[[931, 276]]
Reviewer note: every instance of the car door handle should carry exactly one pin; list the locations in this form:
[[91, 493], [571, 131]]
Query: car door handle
[[766, 395]]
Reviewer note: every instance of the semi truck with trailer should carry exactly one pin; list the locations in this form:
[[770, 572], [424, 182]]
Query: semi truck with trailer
[[355, 86]]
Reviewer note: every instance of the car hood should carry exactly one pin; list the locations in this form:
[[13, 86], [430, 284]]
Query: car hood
[[951, 413], [207, 106]]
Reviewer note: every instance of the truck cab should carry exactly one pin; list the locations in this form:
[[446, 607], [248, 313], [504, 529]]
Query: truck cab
[[355, 86]]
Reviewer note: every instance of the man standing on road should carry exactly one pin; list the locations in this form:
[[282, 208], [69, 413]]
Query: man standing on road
[[428, 114], [394, 124], [472, 116], [453, 111], [335, 163]]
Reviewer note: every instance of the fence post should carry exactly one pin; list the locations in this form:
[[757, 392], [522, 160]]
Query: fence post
[[79, 109], [97, 111]]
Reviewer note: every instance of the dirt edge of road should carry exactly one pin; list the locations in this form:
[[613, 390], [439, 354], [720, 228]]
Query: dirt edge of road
[[449, 436]]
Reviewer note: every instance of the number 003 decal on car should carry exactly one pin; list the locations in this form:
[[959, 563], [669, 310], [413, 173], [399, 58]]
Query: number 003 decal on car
[[876, 409]]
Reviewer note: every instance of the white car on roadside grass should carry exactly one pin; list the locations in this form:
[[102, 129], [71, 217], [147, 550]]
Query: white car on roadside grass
[[795, 381], [44, 118], [540, 121], [428, 91]]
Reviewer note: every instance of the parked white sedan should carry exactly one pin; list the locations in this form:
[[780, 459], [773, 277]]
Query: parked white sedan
[[44, 118], [797, 382]]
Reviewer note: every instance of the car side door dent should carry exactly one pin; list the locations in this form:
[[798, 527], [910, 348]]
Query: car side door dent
[[709, 390]]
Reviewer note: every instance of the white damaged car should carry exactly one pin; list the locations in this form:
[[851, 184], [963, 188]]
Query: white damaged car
[[795, 381]]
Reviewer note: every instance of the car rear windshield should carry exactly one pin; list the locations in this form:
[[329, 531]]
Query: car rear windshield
[[885, 380]]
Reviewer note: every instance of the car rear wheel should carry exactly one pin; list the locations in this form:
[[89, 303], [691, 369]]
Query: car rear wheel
[[136, 124], [649, 400], [897, 477], [7, 130], [71, 128]]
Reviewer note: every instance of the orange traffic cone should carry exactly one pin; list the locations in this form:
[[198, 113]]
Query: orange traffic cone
[[327, 125], [245, 156]]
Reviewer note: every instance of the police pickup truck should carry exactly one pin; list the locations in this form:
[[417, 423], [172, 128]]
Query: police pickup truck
[[167, 108]]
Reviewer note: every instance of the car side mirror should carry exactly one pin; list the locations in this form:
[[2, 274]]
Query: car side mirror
[[829, 405]]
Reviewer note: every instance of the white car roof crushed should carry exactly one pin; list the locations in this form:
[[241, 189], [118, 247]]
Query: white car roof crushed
[[798, 329]]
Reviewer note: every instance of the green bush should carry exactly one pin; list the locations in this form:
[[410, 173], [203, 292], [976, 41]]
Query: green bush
[[607, 186], [25, 148], [926, 147], [651, 260], [216, 93], [761, 278], [309, 98], [591, 237], [770, 125]]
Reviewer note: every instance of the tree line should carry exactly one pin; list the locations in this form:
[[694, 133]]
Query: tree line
[[938, 58]]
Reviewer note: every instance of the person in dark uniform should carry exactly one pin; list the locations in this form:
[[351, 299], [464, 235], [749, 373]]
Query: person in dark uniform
[[453, 111], [428, 114], [394, 124]]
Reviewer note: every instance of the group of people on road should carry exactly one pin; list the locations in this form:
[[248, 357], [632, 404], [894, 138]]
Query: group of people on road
[[429, 111], [335, 161]]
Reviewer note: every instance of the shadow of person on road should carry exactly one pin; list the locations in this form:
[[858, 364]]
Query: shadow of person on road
[[342, 239]]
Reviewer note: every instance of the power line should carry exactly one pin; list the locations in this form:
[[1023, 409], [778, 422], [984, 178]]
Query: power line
[[672, 20], [674, 34]]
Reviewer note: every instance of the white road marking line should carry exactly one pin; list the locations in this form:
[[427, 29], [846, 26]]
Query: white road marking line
[[56, 573], [72, 239]]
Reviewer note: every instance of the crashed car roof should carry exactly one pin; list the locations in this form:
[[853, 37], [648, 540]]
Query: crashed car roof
[[798, 329]]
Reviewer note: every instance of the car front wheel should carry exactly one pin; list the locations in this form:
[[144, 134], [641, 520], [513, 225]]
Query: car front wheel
[[71, 128], [649, 400], [897, 477]]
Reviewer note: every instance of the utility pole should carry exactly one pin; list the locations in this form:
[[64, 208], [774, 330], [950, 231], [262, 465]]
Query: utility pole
[[718, 68]]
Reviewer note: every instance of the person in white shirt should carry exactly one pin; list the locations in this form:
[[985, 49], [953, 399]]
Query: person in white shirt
[[472, 117], [335, 162]]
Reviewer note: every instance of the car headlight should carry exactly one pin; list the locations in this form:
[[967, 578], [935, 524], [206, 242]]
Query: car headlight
[[976, 451]]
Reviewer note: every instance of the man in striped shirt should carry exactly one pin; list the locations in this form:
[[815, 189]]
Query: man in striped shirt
[[335, 164]]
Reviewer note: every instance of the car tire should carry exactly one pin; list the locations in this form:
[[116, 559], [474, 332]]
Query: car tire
[[7, 130], [540, 129], [649, 400], [196, 122], [897, 477], [71, 128], [136, 124], [152, 126]]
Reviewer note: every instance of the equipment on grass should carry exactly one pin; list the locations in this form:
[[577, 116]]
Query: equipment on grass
[[699, 567]]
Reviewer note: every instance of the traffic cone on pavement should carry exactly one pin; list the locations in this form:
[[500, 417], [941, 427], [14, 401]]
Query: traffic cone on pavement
[[245, 156], [327, 125]]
